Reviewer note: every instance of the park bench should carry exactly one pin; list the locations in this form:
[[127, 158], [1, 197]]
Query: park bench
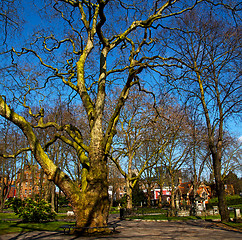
[[69, 227]]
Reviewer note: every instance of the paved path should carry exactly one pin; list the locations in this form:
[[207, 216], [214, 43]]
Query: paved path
[[140, 230]]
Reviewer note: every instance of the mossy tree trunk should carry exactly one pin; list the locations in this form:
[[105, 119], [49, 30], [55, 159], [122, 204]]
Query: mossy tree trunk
[[94, 194]]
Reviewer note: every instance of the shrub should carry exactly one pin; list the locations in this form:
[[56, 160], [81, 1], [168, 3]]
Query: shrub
[[122, 201], [63, 201], [33, 210]]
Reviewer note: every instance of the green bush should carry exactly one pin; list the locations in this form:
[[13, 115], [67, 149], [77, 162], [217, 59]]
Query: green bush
[[63, 201], [122, 201], [33, 210]]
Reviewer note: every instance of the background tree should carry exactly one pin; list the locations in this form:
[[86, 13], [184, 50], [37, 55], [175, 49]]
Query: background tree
[[231, 157], [232, 178], [149, 176], [10, 21], [11, 141], [209, 50], [134, 136], [199, 153], [177, 149], [161, 179], [114, 180]]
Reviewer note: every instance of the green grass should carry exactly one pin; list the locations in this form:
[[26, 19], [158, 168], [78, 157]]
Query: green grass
[[235, 225], [234, 201], [10, 215], [64, 209], [150, 210], [114, 210], [13, 227], [61, 216], [164, 217], [6, 216]]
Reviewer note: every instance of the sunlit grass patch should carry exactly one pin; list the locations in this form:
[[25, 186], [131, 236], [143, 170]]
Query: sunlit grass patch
[[235, 225], [11, 227]]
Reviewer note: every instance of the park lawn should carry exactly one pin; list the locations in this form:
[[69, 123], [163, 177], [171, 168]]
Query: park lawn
[[9, 215], [61, 216], [8, 225], [64, 209], [234, 201], [13, 227], [235, 225], [150, 210], [164, 217], [12, 215]]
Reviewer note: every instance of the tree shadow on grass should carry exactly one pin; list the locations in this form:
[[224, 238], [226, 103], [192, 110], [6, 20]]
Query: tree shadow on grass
[[35, 235], [35, 231], [29, 231]]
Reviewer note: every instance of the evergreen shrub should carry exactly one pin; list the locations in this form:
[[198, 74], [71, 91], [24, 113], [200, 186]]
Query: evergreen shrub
[[33, 210]]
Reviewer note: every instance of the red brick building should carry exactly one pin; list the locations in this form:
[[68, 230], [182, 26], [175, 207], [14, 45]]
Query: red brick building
[[30, 181]]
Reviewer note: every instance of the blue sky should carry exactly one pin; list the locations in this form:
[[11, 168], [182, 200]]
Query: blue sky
[[33, 20]]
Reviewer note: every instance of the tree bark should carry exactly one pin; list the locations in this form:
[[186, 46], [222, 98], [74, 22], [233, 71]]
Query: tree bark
[[129, 195], [172, 197], [149, 196], [52, 196], [90, 204], [223, 209]]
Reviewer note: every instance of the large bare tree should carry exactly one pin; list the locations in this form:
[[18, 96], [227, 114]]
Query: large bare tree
[[97, 44]]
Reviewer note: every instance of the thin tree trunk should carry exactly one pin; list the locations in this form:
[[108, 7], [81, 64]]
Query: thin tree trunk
[[160, 184], [52, 195], [2, 194], [172, 197], [129, 195], [223, 209], [149, 196]]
